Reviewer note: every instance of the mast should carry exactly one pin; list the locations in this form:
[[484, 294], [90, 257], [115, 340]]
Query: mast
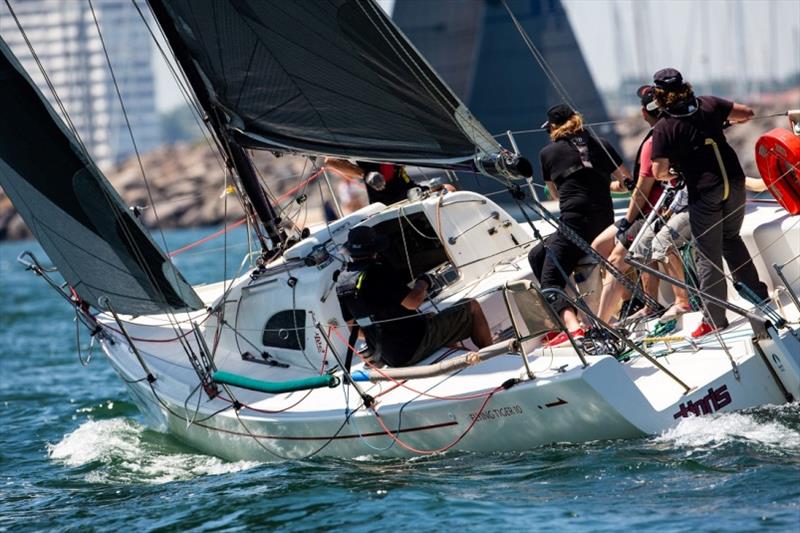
[[235, 154]]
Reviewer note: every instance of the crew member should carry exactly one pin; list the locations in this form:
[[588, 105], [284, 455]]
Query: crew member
[[674, 233], [577, 169], [373, 296], [690, 138], [386, 183]]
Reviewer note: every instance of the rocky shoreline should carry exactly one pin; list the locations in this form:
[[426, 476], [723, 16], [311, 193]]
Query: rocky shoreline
[[187, 181]]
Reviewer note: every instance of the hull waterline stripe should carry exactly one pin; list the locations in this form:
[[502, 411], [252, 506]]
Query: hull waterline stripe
[[336, 437]]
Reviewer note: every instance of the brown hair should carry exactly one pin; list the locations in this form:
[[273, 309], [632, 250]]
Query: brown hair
[[573, 124], [669, 98]]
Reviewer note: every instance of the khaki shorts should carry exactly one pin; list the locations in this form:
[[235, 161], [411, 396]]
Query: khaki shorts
[[443, 329], [672, 235]]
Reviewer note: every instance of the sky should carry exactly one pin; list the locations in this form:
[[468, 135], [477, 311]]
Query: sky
[[703, 39]]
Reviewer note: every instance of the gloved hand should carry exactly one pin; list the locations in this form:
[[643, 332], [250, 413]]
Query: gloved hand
[[622, 227], [375, 180], [629, 183]]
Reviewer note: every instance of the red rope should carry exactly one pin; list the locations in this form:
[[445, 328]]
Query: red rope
[[209, 237], [443, 449], [242, 221]]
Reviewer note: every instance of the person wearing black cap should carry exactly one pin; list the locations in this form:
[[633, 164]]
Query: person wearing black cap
[[577, 168], [690, 139], [645, 195], [373, 297]]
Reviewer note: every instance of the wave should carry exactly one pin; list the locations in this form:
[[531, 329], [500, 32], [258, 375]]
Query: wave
[[765, 427], [120, 450]]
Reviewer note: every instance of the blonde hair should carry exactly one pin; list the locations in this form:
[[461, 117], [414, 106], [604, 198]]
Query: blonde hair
[[573, 124], [667, 99]]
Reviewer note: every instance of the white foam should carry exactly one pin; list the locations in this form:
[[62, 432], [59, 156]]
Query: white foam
[[123, 454], [715, 431]]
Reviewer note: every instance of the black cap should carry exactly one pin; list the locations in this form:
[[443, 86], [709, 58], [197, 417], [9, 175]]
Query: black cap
[[363, 241], [558, 114], [668, 79], [646, 94]]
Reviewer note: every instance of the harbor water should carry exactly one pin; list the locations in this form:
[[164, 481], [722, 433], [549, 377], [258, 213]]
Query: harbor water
[[75, 455]]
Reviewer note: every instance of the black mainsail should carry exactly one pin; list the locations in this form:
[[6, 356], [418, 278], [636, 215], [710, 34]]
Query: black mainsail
[[332, 77], [97, 245]]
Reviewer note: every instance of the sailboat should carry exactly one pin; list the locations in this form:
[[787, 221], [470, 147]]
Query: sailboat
[[262, 366]]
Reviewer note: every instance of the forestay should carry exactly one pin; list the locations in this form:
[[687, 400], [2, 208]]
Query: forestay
[[88, 233], [334, 77]]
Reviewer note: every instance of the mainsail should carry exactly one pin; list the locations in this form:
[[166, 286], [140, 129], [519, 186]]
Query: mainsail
[[331, 77], [97, 245]]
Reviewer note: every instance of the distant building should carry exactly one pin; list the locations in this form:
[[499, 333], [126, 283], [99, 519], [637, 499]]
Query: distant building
[[64, 37], [475, 47]]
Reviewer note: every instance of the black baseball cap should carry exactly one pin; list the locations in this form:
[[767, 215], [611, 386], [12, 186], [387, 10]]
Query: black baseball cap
[[558, 114], [646, 93], [668, 79], [363, 241]]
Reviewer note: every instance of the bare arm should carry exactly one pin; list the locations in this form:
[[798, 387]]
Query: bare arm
[[621, 173], [661, 169], [345, 167], [639, 197], [417, 295], [754, 184], [740, 113]]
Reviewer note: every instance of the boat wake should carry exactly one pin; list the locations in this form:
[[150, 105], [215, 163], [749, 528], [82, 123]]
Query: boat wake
[[121, 450], [776, 428]]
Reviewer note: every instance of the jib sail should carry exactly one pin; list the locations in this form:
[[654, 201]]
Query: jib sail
[[80, 221]]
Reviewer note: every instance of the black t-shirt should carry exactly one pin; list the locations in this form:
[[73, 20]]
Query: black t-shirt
[[397, 182], [682, 141], [580, 189], [381, 289]]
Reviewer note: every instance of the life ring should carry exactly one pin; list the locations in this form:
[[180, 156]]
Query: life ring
[[778, 160]]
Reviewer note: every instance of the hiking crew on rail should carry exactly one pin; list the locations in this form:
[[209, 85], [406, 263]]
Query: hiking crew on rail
[[578, 169], [690, 139]]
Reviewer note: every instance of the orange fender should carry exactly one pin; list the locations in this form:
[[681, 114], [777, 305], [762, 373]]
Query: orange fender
[[778, 160]]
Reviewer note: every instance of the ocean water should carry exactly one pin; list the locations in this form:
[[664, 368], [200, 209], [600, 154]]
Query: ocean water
[[75, 455]]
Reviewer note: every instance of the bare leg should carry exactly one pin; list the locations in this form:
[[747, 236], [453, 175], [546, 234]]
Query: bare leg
[[650, 284], [612, 290], [480, 335], [674, 268], [605, 242], [570, 319]]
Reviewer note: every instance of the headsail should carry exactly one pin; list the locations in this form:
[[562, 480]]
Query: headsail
[[334, 77], [80, 221]]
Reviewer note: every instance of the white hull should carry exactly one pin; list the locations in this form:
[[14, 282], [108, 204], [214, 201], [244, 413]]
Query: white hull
[[605, 400], [564, 402]]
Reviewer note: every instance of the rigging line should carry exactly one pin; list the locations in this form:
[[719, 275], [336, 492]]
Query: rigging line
[[552, 76], [402, 52], [193, 105], [134, 247], [694, 238], [48, 81], [128, 124]]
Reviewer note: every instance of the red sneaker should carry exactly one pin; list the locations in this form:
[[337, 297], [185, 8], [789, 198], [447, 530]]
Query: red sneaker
[[562, 337], [549, 336], [704, 329]]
